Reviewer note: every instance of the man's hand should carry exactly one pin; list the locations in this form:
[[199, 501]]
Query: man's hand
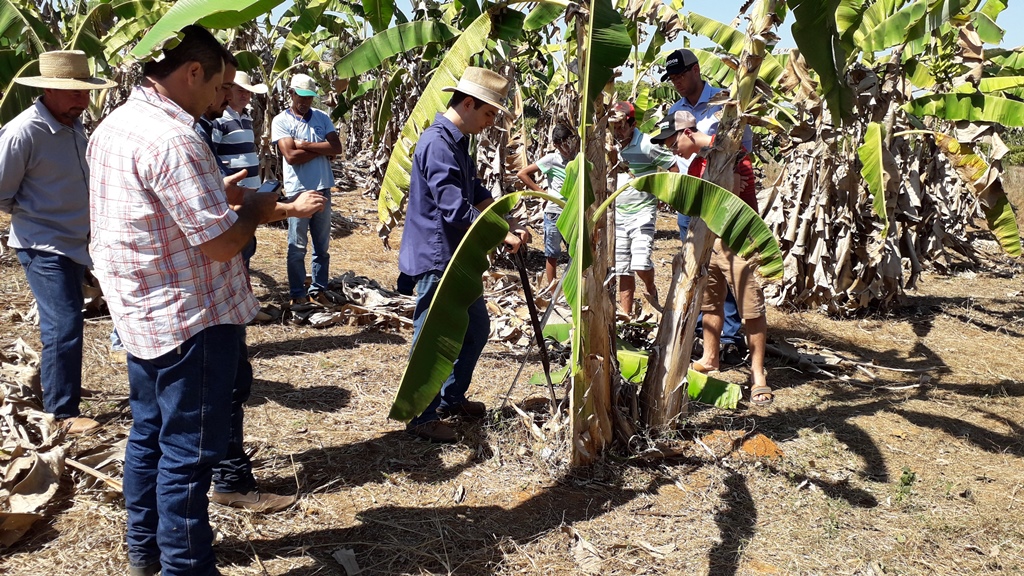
[[306, 204], [235, 193], [516, 237]]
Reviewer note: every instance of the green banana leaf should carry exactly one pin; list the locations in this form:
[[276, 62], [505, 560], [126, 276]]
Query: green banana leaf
[[11, 63], [386, 110], [128, 30], [444, 327], [708, 390], [557, 377], [83, 32], [632, 361], [19, 22], [559, 331], [878, 169], [998, 213], [817, 36], [432, 101], [215, 14], [993, 8], [1000, 84], [870, 18], [508, 25], [971, 107], [610, 46], [988, 30], [298, 43], [893, 30], [17, 97], [725, 214], [379, 13], [376, 50], [731, 40], [849, 15]]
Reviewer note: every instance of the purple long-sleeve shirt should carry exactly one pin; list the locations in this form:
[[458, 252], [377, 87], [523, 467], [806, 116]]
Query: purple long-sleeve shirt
[[443, 194]]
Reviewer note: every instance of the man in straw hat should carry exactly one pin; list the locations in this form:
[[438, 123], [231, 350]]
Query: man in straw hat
[[445, 196], [44, 185], [166, 249], [307, 140]]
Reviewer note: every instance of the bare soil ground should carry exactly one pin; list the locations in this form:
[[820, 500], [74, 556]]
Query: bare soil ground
[[900, 475]]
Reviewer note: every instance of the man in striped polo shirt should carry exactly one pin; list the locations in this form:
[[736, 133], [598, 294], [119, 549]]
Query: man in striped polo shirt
[[635, 211], [232, 133]]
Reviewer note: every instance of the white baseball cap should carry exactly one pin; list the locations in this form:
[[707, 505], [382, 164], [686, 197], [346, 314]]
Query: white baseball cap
[[303, 85]]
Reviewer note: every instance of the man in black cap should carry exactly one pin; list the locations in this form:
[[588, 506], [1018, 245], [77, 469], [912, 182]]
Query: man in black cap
[[682, 69]]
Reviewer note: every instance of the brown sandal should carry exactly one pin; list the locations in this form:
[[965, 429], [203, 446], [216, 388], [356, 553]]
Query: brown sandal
[[761, 391]]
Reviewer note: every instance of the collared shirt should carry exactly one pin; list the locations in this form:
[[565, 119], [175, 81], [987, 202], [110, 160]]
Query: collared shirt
[[443, 193], [552, 166], [314, 127], [44, 184], [707, 118], [643, 157], [235, 146], [156, 196]]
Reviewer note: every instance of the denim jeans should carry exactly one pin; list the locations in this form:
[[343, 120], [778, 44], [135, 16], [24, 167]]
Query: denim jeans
[[179, 433], [56, 282], [234, 472], [733, 326], [453, 391], [248, 251], [317, 226]]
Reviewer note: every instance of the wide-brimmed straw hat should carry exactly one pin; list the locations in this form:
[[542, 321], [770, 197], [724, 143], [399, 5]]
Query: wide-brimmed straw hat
[[65, 70], [242, 79], [481, 83]]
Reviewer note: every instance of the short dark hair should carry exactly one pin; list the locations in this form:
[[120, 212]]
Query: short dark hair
[[561, 133], [458, 97], [197, 45]]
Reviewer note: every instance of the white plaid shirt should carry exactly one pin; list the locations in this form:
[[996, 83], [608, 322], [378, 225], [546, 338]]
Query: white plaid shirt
[[156, 195]]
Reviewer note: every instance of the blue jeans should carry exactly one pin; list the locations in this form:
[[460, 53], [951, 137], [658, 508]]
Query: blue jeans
[[56, 282], [453, 391], [179, 433], [731, 329], [552, 236], [317, 226], [249, 250]]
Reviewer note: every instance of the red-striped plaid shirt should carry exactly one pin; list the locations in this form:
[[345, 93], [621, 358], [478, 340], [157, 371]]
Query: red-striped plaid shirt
[[156, 195]]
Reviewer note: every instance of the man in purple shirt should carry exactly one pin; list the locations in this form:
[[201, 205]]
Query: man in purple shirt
[[445, 197]]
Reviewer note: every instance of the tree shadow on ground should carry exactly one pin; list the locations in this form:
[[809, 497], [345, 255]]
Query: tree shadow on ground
[[322, 343], [989, 314], [327, 398], [268, 281]]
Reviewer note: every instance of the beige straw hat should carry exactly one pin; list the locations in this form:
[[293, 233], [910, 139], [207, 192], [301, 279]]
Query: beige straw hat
[[242, 79], [65, 70], [488, 86]]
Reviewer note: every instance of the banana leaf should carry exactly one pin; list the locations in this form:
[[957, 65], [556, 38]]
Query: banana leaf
[[725, 214], [19, 21], [376, 50], [378, 13], [444, 327], [1000, 83], [893, 30], [849, 15], [11, 63], [509, 26], [817, 36], [993, 8], [879, 170], [972, 168], [386, 110], [298, 44], [559, 331], [398, 174], [971, 107], [557, 377], [83, 33], [216, 14], [17, 97], [632, 361], [708, 390], [610, 46], [731, 40], [988, 30], [128, 30]]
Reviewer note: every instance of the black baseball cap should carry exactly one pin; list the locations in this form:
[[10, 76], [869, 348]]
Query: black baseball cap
[[678, 61]]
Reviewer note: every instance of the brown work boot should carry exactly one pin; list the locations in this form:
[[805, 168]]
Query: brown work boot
[[255, 501], [434, 431], [79, 425], [469, 409]]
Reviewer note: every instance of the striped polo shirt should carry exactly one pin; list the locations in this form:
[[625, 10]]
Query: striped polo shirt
[[235, 146], [643, 157]]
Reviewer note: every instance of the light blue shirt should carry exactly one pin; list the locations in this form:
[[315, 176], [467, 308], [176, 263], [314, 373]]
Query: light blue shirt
[[315, 174], [44, 184], [707, 118]]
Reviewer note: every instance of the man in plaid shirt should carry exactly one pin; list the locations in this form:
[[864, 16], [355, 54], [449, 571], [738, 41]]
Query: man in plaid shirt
[[165, 246]]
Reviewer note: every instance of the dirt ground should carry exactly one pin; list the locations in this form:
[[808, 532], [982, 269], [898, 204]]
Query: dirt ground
[[914, 472]]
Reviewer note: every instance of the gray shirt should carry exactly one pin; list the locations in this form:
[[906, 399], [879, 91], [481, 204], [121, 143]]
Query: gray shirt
[[44, 184]]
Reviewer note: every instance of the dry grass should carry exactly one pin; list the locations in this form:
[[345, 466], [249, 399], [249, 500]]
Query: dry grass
[[834, 503]]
